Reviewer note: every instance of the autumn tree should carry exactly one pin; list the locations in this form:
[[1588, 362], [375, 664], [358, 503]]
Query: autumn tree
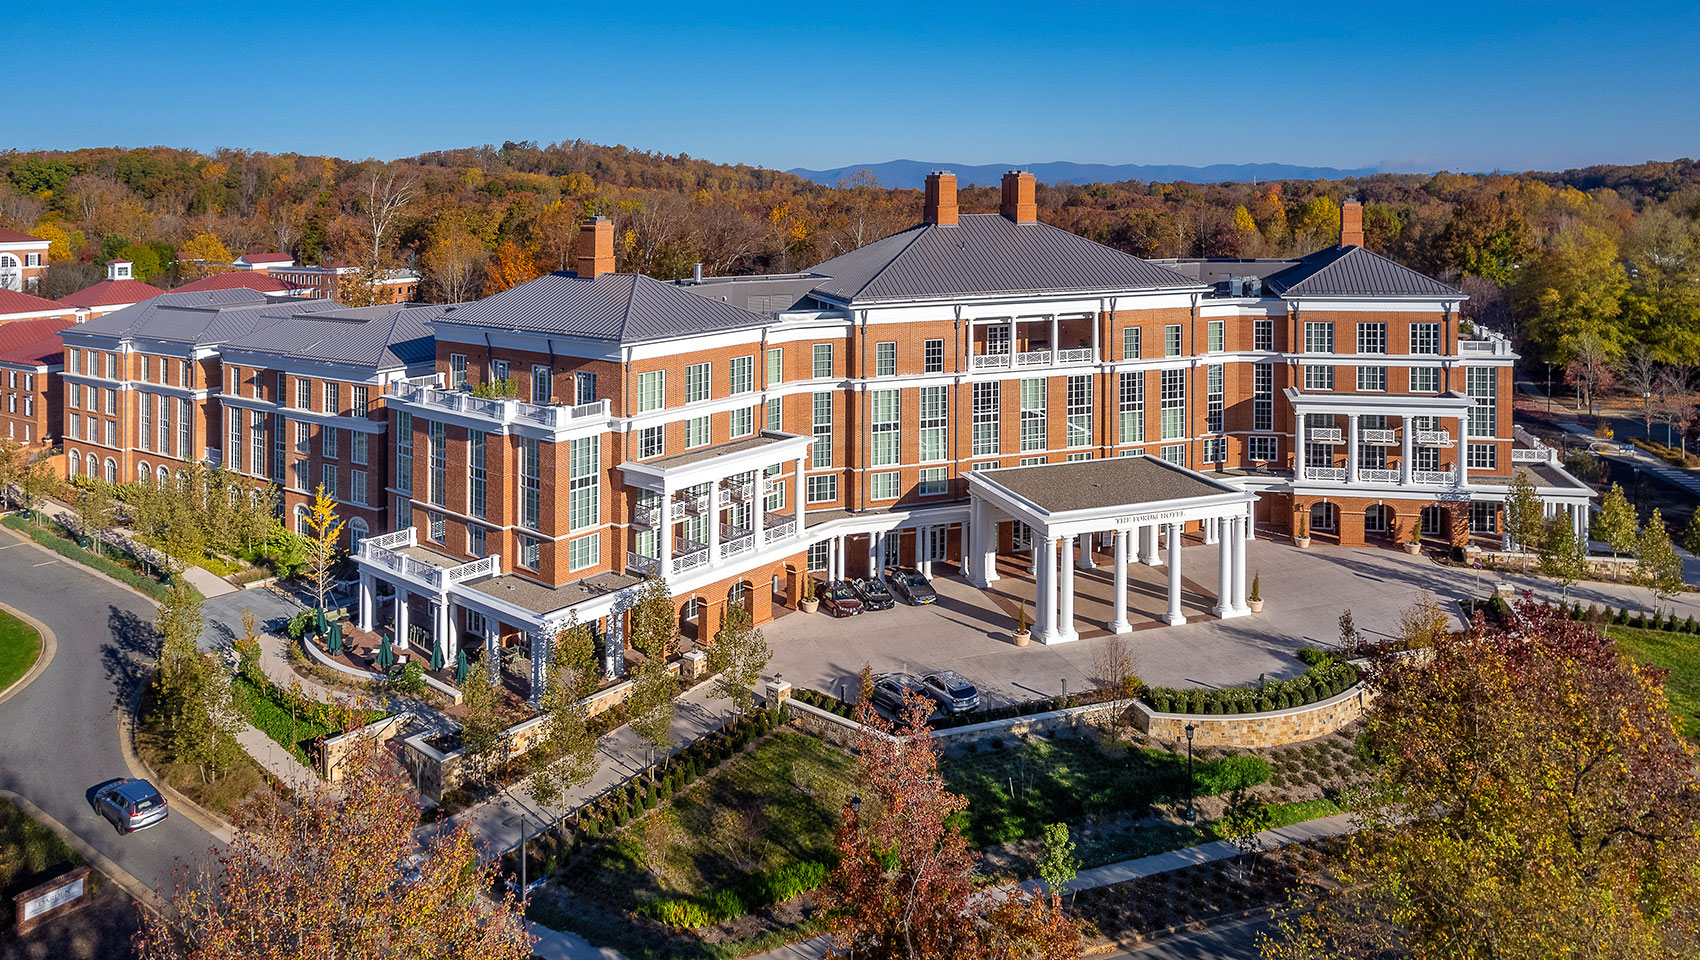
[[454, 256], [97, 512], [904, 886], [737, 656], [324, 530], [1658, 567], [569, 751], [192, 701], [1589, 370], [1421, 622], [384, 196], [482, 726], [1572, 289], [1564, 556], [1616, 524], [1536, 800], [206, 249], [512, 265], [653, 687], [1523, 514], [326, 875]]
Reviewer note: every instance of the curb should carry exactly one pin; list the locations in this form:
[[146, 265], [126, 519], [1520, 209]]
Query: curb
[[80, 566], [211, 822], [49, 647], [139, 891]]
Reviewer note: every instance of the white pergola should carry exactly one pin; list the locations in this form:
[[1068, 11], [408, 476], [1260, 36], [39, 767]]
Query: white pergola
[[1068, 503]]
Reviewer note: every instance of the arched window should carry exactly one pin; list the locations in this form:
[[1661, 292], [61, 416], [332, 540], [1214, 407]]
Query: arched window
[[111, 470], [357, 531], [301, 520], [1378, 518], [143, 472], [739, 595], [93, 468], [164, 476], [11, 278], [74, 465]]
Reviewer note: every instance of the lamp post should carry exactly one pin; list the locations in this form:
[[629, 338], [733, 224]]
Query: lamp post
[[1191, 814], [523, 824], [1647, 412], [1549, 388]]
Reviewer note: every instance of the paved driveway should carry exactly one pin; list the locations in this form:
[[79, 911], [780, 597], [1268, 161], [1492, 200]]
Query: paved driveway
[[1305, 592], [59, 735]]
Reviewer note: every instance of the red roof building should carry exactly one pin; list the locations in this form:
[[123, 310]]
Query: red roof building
[[31, 359], [116, 292], [23, 259], [15, 307]]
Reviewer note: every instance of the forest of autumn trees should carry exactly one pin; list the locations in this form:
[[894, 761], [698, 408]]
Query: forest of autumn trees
[[1580, 264]]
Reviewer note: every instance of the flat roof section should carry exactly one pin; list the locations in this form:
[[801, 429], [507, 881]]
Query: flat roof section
[[1089, 484], [539, 599]]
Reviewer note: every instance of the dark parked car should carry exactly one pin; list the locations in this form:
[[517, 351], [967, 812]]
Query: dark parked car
[[131, 804], [912, 587], [952, 690], [891, 688], [873, 594], [839, 600]]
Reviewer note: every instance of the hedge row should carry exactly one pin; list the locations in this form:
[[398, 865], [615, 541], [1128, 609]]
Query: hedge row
[[1326, 677], [1621, 617], [827, 701], [61, 543]]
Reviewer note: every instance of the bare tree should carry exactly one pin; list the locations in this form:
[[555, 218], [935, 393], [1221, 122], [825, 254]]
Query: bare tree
[[1641, 379], [384, 196], [1589, 371]]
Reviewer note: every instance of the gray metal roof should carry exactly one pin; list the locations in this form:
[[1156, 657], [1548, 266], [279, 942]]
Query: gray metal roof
[[763, 295], [621, 307], [985, 253], [1354, 272], [202, 318], [1115, 481], [379, 337]]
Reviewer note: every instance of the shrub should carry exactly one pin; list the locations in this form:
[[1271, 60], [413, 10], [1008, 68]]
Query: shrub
[[1311, 656], [1688, 625], [1622, 616], [725, 905], [681, 914], [411, 679], [788, 881], [1639, 621], [1226, 773]]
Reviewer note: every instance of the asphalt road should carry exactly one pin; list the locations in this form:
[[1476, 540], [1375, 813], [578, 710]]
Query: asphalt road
[[59, 735]]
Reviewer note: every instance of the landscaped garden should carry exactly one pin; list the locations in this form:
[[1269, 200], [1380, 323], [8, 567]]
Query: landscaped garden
[[20, 645], [241, 780], [116, 564], [294, 720], [1677, 653]]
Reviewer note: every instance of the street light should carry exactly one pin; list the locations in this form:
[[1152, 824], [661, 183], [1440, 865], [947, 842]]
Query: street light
[[1549, 388], [521, 820], [1191, 814]]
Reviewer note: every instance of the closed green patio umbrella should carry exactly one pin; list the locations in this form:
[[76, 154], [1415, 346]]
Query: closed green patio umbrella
[[386, 656], [461, 669], [333, 640], [319, 612], [436, 654]]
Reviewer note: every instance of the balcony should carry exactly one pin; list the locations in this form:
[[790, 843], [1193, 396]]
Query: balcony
[[1433, 477], [641, 565], [1379, 438], [1076, 355], [1325, 473], [1033, 358], [739, 544], [1377, 475], [1324, 435], [385, 551], [779, 530], [1433, 438], [647, 516], [990, 361], [690, 561], [498, 409]]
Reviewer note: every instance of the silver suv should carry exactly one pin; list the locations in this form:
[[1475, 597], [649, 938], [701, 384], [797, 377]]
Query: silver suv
[[952, 691], [131, 804]]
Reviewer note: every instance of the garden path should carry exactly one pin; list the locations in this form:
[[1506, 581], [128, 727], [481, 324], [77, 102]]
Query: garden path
[[275, 760], [210, 584]]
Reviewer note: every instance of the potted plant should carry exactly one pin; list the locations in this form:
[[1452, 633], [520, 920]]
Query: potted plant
[[1414, 541], [810, 603], [1254, 603], [1302, 537], [1023, 635]]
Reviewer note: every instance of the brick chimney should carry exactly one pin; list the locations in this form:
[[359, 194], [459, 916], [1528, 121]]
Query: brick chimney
[[1351, 224], [1018, 203], [596, 247], [941, 198]]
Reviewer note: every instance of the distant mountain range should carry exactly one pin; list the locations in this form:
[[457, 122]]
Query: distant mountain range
[[913, 173]]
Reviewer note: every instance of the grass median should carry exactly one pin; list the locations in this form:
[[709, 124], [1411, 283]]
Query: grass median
[[20, 647]]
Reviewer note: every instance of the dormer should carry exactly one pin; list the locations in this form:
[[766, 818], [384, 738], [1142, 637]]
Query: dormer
[[118, 270]]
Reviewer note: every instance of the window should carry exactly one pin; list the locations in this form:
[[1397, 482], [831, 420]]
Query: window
[[1130, 343], [652, 390], [584, 387], [823, 360], [933, 482], [281, 396], [404, 452], [885, 359], [1079, 410], [584, 552], [1372, 338], [696, 382], [997, 341], [1131, 407], [328, 479], [256, 441], [1174, 453], [1425, 379], [111, 366], [1034, 427], [1484, 456], [75, 432], [146, 436], [696, 432], [146, 363], [303, 393], [333, 397], [1425, 338], [165, 426], [1172, 406], [298, 471], [1215, 450], [651, 442], [529, 552], [884, 486], [543, 383], [818, 555], [1213, 412], [1323, 516], [1263, 333], [1260, 449], [360, 405], [73, 395], [775, 490], [774, 417], [74, 359], [743, 374], [584, 487], [987, 411], [1484, 517], [1319, 337], [935, 427], [111, 402], [1319, 378], [1481, 383], [886, 428], [499, 370], [530, 485], [184, 428], [933, 356], [1263, 396], [457, 370], [776, 365], [357, 486], [436, 435], [822, 430], [476, 476], [331, 442], [1215, 336], [1172, 340], [1372, 379], [743, 421], [823, 488], [357, 440], [437, 529]]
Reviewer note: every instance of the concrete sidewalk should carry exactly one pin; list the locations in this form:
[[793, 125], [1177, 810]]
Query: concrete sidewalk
[[210, 584], [276, 760]]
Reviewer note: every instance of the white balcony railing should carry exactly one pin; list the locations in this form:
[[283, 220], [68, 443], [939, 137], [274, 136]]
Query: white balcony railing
[[1377, 475], [502, 409], [1033, 358], [1075, 355], [690, 561], [737, 545], [1433, 438], [1432, 477], [991, 361], [438, 578], [1324, 435], [1325, 473], [647, 516], [1377, 437], [399, 538], [677, 511], [780, 531], [640, 564]]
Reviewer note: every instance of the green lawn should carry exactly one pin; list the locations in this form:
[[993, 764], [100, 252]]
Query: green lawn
[[1677, 653], [20, 645], [29, 852], [261, 706]]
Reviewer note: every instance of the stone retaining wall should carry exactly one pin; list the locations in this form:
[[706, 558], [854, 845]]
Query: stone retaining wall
[[336, 749], [1256, 731]]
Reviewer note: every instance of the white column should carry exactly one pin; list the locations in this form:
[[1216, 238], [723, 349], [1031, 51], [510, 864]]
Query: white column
[[1239, 592], [400, 617], [923, 556], [1462, 480], [368, 599], [1251, 521], [493, 650], [542, 645], [1055, 343], [1351, 448], [440, 637], [758, 507], [1045, 582], [1086, 547], [800, 495], [1225, 577], [666, 538], [1118, 618], [843, 557], [1175, 617], [1298, 446], [874, 541], [1065, 599], [714, 522], [1034, 548], [1212, 532], [1148, 554], [1406, 439], [983, 536]]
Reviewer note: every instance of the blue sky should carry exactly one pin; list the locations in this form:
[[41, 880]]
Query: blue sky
[[1402, 86]]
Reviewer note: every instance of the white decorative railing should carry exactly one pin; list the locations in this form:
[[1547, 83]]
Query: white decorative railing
[[1075, 355], [647, 516], [722, 495], [1033, 358], [780, 530], [695, 503], [737, 545], [1378, 475], [1496, 346], [1432, 476], [1379, 437], [678, 510], [1325, 473], [638, 563], [1519, 455], [991, 361], [1323, 435], [482, 567], [400, 538], [690, 561], [497, 408], [1434, 438], [738, 489]]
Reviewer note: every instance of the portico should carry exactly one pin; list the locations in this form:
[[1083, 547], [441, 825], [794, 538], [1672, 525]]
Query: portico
[[1142, 503]]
